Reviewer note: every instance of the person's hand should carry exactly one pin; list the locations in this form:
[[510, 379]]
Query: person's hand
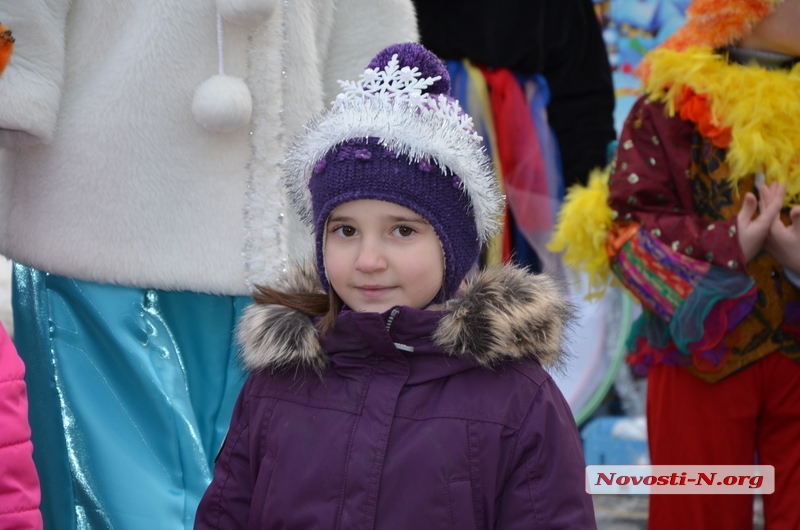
[[753, 231], [783, 242]]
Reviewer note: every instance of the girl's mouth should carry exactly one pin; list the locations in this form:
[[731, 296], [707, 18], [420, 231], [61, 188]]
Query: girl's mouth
[[374, 291]]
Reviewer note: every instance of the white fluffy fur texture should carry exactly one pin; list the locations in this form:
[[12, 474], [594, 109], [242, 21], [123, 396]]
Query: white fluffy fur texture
[[222, 103], [275, 336], [130, 189], [401, 129], [30, 87], [505, 314], [247, 13]]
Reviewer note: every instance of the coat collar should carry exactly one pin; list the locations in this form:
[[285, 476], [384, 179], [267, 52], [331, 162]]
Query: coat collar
[[503, 314]]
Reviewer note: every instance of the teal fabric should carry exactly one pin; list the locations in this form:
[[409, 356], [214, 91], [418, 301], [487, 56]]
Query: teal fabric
[[131, 391], [688, 324]]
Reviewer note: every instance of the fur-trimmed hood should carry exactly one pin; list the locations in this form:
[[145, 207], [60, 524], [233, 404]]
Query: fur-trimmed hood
[[503, 314]]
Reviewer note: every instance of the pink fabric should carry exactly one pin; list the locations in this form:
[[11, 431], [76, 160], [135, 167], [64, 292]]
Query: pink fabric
[[19, 483]]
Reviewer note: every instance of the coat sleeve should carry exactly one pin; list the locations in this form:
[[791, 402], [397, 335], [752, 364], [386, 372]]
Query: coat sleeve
[[30, 87], [686, 270], [226, 502], [650, 186], [546, 487], [19, 483], [362, 28]]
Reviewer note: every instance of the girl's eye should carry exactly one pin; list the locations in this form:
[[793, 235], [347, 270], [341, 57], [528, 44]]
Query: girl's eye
[[404, 231], [345, 231]]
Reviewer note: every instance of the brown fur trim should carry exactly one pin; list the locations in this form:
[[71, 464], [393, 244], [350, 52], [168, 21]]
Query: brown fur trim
[[275, 336], [504, 314]]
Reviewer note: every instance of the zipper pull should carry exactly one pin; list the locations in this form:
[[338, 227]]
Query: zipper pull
[[389, 321]]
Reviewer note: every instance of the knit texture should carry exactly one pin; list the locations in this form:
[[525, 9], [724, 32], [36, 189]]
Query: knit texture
[[364, 169], [396, 135]]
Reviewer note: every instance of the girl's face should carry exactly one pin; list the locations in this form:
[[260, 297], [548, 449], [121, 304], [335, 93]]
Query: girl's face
[[777, 32], [379, 255]]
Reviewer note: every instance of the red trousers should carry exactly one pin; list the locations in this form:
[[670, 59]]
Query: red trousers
[[691, 422]]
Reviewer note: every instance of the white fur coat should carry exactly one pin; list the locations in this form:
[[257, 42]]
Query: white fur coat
[[105, 175]]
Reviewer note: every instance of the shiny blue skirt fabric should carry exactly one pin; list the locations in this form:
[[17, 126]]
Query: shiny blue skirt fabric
[[131, 391]]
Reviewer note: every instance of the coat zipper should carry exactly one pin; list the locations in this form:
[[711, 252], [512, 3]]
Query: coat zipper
[[394, 313]]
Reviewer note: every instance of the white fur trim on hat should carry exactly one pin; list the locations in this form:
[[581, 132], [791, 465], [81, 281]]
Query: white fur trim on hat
[[413, 124]]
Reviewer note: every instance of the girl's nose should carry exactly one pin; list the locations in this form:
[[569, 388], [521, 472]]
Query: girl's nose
[[370, 257]]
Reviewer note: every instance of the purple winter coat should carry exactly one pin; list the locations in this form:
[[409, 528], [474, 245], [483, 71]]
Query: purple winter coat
[[416, 419]]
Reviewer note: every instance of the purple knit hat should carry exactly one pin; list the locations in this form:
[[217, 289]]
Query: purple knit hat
[[395, 135]]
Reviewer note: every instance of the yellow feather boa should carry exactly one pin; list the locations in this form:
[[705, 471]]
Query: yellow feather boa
[[582, 229], [761, 107]]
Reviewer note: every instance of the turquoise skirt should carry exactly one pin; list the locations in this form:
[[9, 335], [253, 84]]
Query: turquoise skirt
[[131, 391]]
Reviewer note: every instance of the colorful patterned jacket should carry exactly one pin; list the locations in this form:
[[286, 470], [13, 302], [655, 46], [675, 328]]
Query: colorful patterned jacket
[[674, 245]]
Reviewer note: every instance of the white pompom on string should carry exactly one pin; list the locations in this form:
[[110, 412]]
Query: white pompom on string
[[222, 103], [247, 13]]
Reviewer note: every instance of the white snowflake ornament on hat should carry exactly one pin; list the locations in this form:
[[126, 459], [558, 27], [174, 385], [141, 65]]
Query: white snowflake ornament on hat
[[409, 110]]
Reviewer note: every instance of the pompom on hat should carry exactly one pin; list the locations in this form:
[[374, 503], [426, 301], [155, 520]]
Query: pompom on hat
[[396, 135]]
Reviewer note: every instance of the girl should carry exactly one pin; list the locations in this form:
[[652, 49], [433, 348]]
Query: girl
[[377, 399], [712, 264]]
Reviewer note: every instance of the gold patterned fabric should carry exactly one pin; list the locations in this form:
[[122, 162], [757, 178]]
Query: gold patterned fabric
[[765, 329]]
